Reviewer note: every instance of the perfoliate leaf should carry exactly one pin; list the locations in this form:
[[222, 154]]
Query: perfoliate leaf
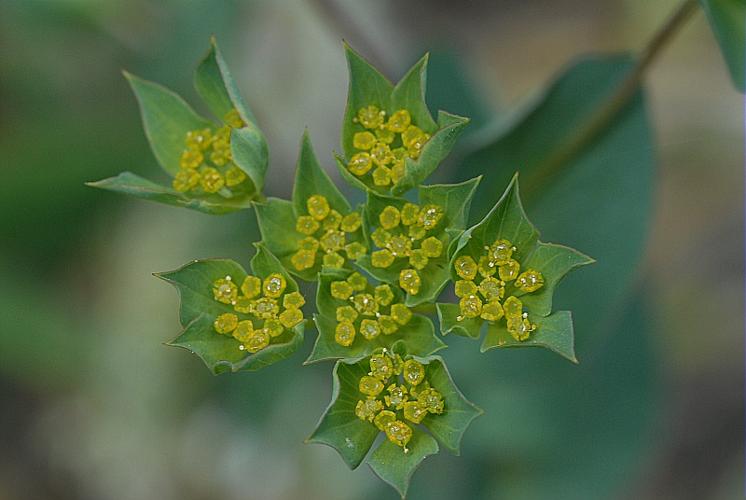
[[454, 200], [727, 21], [395, 467], [342, 428], [139, 187], [507, 224], [278, 219], [554, 332], [166, 118], [418, 335], [215, 85], [199, 309], [367, 87], [339, 427]]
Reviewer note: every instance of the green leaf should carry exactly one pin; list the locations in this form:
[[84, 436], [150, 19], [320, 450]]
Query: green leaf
[[727, 21], [339, 427], [310, 179], [554, 332], [250, 154], [449, 427], [395, 467], [418, 336], [215, 85], [134, 185], [368, 87], [507, 220], [199, 309], [455, 199], [435, 151], [468, 327], [166, 118]]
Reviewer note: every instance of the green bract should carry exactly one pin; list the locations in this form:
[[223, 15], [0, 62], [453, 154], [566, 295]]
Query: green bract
[[379, 267], [168, 120]]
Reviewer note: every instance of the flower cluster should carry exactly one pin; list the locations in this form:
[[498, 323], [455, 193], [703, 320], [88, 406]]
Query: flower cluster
[[371, 311], [206, 162], [478, 279], [326, 229], [263, 310], [403, 234], [394, 391], [385, 144]]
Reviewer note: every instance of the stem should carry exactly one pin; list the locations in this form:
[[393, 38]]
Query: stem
[[614, 104]]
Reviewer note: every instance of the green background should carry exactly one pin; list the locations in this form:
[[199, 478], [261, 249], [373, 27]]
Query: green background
[[92, 405]]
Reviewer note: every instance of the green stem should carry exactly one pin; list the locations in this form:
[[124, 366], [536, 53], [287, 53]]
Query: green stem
[[599, 120]]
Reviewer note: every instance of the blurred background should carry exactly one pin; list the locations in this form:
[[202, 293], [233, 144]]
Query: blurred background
[[93, 406]]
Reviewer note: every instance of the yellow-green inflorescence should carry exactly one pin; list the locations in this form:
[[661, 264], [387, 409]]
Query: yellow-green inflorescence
[[406, 233], [206, 163], [263, 309], [483, 281], [370, 311], [383, 143], [326, 236], [395, 395]]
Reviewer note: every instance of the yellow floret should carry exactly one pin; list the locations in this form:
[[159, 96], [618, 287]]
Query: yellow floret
[[370, 329], [318, 206], [341, 290], [501, 251], [383, 419], [363, 140], [355, 250], [400, 246], [333, 220], [410, 214], [212, 181], [306, 225], [387, 323], [266, 308], [234, 176], [397, 396], [492, 311], [198, 139], [399, 433], [414, 411], [470, 306], [381, 366], [381, 154], [370, 117], [185, 179], [380, 237], [491, 288], [401, 313], [224, 290], [351, 222], [513, 308], [410, 281], [398, 169], [413, 372], [417, 232], [465, 267], [365, 304], [233, 118], [244, 330], [191, 158], [381, 258], [399, 121], [367, 409], [344, 333], [360, 164], [303, 259], [333, 240], [370, 386], [432, 400], [430, 216], [389, 217], [309, 243], [226, 323], [510, 270], [357, 281], [293, 300], [274, 285], [251, 287], [333, 260], [275, 327], [385, 135], [382, 176], [383, 294], [520, 328], [418, 259], [291, 317], [530, 280], [346, 313], [486, 267], [432, 247], [243, 304], [258, 341], [464, 288]]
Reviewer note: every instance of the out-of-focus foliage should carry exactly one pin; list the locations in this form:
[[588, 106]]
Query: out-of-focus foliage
[[727, 20]]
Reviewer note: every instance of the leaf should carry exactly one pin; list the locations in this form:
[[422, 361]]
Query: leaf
[[199, 309], [468, 327], [418, 336], [166, 118], [339, 427], [507, 220], [310, 179], [435, 151], [449, 427], [395, 467], [276, 222], [554, 332], [455, 199], [215, 85], [134, 185], [727, 22], [368, 87]]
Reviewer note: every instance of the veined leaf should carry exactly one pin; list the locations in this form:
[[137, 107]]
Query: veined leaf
[[199, 309]]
